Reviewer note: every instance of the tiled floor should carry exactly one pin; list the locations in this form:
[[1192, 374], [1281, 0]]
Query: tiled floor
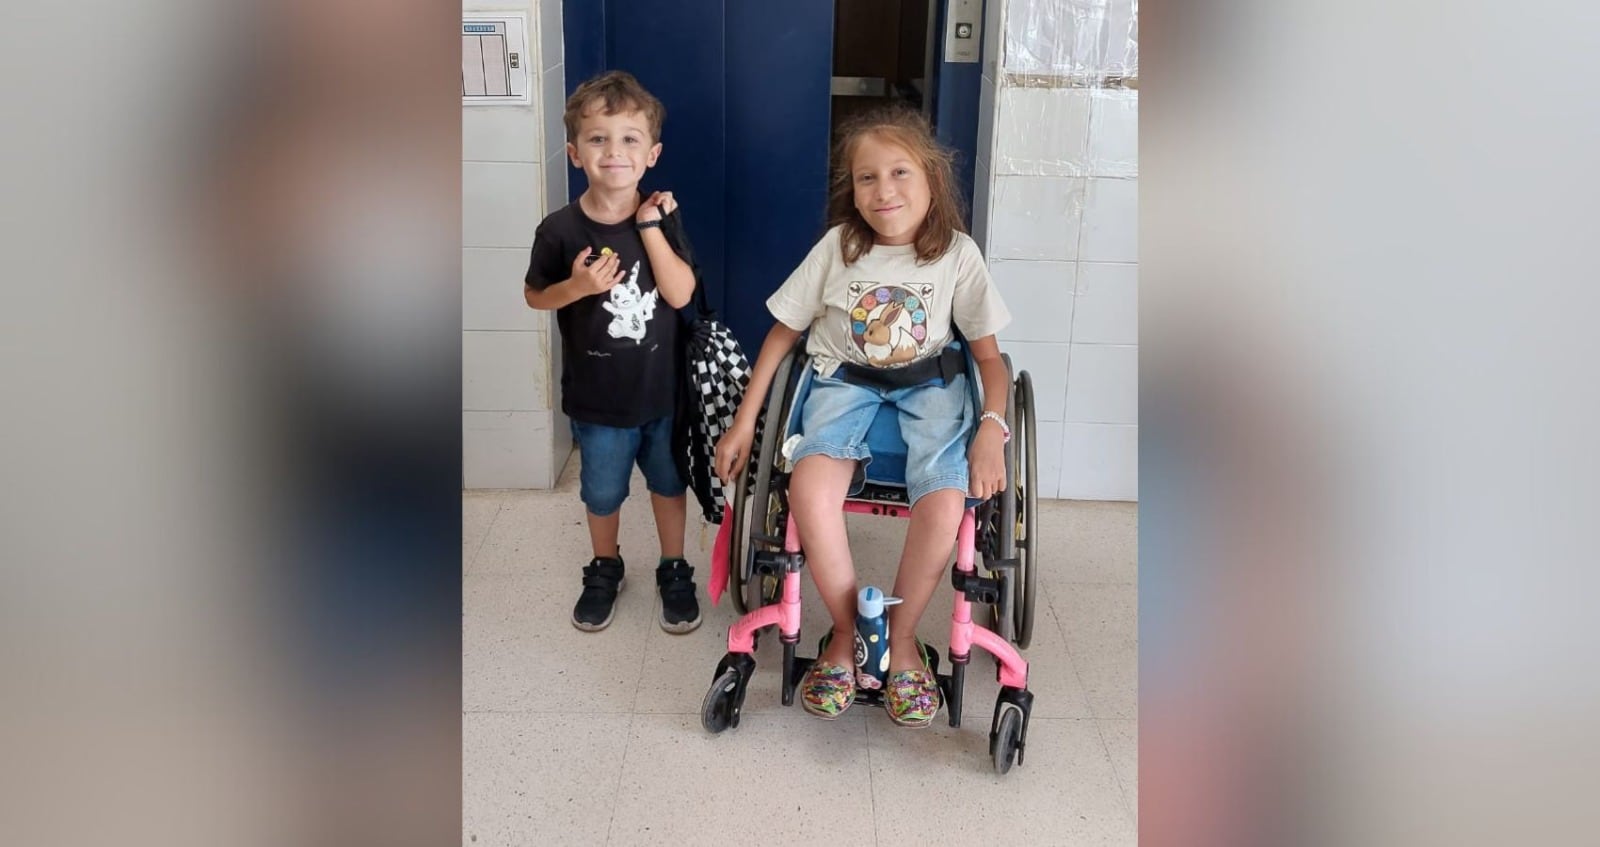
[[574, 738]]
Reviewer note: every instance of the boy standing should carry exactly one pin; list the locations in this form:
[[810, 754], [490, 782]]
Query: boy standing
[[615, 283]]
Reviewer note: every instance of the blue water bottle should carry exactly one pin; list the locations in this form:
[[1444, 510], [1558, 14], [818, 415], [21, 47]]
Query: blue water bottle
[[872, 638]]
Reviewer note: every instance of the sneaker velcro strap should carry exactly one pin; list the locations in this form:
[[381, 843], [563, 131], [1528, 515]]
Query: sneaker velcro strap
[[594, 578], [678, 589], [677, 573]]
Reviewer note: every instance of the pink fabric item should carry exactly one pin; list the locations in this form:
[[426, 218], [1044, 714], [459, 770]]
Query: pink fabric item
[[719, 556]]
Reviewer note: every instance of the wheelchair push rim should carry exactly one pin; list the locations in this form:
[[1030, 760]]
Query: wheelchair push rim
[[1026, 503]]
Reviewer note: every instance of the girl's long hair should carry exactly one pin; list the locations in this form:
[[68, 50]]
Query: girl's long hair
[[905, 128]]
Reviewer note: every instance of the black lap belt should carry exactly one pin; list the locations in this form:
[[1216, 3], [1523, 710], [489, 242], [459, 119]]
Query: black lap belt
[[947, 365]]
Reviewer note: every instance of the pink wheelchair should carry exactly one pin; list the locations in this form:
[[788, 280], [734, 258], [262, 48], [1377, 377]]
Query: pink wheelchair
[[764, 559]]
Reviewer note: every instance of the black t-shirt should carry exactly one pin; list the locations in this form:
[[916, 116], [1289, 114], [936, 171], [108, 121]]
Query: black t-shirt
[[619, 349]]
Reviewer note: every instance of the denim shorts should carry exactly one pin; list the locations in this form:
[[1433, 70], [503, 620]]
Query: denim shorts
[[608, 455], [935, 420]]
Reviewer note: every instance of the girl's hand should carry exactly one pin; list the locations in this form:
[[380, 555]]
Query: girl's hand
[[986, 459], [733, 451]]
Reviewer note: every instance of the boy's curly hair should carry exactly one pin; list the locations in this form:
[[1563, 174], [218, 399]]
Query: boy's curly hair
[[905, 128], [615, 91]]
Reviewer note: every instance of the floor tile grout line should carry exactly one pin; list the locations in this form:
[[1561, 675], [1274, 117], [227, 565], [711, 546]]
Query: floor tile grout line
[[872, 784], [1127, 802], [1050, 604], [644, 658], [622, 768], [476, 551]]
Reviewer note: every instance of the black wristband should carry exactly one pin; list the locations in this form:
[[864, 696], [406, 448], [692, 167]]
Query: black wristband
[[644, 225]]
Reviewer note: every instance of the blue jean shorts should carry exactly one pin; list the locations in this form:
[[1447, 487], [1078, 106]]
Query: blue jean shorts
[[608, 455], [935, 420]]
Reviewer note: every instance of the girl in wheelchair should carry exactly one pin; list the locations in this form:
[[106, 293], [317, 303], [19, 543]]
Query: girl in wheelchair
[[883, 295]]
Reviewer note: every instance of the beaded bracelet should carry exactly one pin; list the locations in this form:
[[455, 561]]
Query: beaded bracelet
[[1004, 428]]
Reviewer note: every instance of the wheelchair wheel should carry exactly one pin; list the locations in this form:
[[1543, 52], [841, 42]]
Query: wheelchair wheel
[[737, 544], [1025, 503], [1003, 531], [720, 709], [1003, 744], [757, 516]]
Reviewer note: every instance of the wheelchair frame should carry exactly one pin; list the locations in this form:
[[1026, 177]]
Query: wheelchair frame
[[765, 563]]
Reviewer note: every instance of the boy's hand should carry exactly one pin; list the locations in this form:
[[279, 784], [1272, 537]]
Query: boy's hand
[[986, 460], [733, 451], [655, 207], [597, 278]]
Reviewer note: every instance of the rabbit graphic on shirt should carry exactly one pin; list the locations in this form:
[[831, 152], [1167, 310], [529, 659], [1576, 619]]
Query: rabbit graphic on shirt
[[886, 340]]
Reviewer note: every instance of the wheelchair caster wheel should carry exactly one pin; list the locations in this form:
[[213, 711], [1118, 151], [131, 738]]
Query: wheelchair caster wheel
[[1005, 741], [723, 702]]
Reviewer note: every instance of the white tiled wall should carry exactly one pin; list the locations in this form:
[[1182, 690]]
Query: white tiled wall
[[1042, 131], [1056, 212], [513, 173]]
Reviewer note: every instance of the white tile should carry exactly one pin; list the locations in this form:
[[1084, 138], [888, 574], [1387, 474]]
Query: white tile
[[551, 48], [1101, 623], [500, 134], [508, 796], [1122, 38], [505, 450], [1099, 462], [1039, 295], [799, 778], [1103, 384], [1114, 134], [1107, 307], [555, 183], [504, 371], [478, 511], [1056, 38], [1111, 221], [1122, 743], [520, 651], [1064, 793], [1036, 217], [499, 204], [491, 290], [1046, 365], [1092, 541], [1043, 131], [553, 100]]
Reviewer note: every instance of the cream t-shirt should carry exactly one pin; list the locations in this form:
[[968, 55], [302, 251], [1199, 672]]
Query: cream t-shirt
[[886, 310]]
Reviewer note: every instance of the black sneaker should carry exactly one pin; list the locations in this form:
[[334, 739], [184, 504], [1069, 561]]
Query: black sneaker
[[680, 611], [602, 579]]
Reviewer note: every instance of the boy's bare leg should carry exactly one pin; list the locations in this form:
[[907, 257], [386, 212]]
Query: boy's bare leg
[[671, 515], [816, 496], [929, 539], [603, 533]]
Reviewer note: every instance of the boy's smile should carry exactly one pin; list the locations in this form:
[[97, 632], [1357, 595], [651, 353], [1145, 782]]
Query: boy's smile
[[613, 150]]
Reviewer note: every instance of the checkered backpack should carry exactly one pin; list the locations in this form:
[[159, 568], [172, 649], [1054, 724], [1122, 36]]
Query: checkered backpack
[[716, 372]]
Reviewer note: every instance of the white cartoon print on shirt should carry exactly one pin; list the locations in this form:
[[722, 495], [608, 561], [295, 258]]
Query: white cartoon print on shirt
[[631, 310]]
